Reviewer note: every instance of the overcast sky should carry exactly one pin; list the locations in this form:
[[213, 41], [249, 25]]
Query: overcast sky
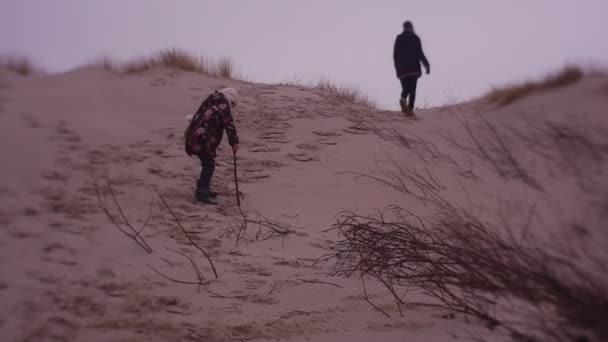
[[472, 45]]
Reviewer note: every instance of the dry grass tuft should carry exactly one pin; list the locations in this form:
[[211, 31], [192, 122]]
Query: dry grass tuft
[[510, 94], [19, 65], [136, 66], [179, 59], [105, 62], [345, 93], [342, 93], [223, 68], [172, 58]]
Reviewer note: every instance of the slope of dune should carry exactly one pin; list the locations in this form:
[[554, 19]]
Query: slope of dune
[[68, 273]]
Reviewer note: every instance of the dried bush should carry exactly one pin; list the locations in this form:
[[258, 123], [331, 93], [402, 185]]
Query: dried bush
[[19, 65], [105, 62], [181, 60], [495, 272], [223, 68], [341, 93], [172, 58], [470, 268], [254, 227], [345, 93], [510, 94], [573, 147], [490, 144]]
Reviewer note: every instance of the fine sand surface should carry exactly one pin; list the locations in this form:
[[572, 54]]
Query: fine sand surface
[[68, 274]]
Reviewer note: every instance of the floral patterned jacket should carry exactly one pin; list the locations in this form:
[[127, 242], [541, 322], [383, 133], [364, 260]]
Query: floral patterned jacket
[[205, 131]]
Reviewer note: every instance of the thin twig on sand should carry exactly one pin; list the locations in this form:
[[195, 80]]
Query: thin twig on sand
[[121, 222], [186, 233], [292, 314], [200, 280]]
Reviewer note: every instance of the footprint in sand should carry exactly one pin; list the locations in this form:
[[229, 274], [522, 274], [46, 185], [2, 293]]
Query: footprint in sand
[[356, 129], [6, 218], [251, 176], [305, 115], [53, 329], [289, 263], [106, 273], [162, 173], [265, 148], [304, 156], [69, 136], [307, 147], [53, 175], [399, 325], [297, 109], [159, 82], [30, 212], [110, 154], [63, 130], [60, 254], [255, 170], [327, 133], [97, 157], [80, 306], [60, 201], [117, 290], [148, 304], [30, 120], [250, 268], [275, 137], [327, 142], [154, 150], [17, 233], [140, 143]]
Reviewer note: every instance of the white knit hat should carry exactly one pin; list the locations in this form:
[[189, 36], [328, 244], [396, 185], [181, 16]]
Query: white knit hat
[[231, 94]]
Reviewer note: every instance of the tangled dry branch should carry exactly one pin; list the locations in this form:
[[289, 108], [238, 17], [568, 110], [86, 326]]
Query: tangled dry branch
[[200, 280], [106, 199], [470, 268], [197, 246], [254, 226]]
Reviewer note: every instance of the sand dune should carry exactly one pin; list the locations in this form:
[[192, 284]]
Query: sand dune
[[68, 274]]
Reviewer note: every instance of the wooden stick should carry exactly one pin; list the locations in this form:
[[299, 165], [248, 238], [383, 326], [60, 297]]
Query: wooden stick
[[236, 180]]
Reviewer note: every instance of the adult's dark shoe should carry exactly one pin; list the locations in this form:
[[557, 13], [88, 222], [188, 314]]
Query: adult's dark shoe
[[404, 107], [204, 196], [206, 200], [205, 189]]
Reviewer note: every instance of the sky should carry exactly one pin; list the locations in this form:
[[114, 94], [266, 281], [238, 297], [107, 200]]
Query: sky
[[472, 45]]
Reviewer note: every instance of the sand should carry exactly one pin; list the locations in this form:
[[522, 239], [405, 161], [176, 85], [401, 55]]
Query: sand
[[68, 274]]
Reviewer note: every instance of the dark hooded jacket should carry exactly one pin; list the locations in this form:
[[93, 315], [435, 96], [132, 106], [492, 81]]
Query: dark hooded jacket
[[205, 131], [408, 55]]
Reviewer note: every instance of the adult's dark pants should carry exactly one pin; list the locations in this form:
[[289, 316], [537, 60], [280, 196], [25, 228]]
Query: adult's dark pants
[[208, 166], [408, 89]]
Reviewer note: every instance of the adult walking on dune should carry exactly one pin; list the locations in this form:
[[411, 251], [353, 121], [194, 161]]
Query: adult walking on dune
[[408, 54], [205, 132]]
